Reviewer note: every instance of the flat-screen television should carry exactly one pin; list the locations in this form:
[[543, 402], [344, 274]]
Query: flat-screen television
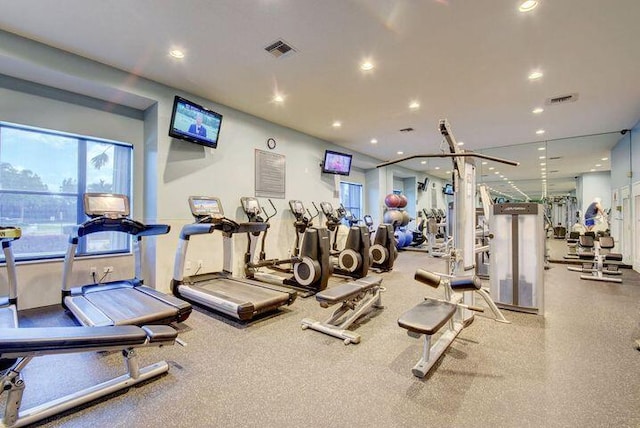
[[336, 163], [194, 123], [448, 189]]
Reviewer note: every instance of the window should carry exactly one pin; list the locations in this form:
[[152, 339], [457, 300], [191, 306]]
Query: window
[[43, 176], [351, 198]]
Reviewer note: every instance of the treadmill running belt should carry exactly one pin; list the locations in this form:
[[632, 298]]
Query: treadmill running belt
[[129, 306]]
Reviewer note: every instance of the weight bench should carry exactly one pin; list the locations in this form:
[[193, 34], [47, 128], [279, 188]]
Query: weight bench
[[431, 315], [18, 346], [601, 261], [357, 297]]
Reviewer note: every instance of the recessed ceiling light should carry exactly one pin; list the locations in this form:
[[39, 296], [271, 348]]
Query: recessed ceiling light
[[537, 110], [447, 172], [505, 178], [277, 98], [414, 105], [336, 124], [176, 53], [542, 157], [604, 159], [543, 169], [374, 141], [485, 162], [491, 168], [535, 75], [543, 163], [541, 148], [598, 165], [501, 176], [366, 66], [400, 153], [527, 6], [437, 167], [423, 162], [592, 170], [540, 131], [460, 143], [497, 172]]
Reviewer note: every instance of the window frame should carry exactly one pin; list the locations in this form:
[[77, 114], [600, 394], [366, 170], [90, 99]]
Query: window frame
[[360, 202], [82, 142]]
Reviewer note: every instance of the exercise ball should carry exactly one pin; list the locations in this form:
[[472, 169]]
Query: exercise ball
[[403, 201], [406, 218], [392, 200], [393, 217], [399, 237], [408, 238]]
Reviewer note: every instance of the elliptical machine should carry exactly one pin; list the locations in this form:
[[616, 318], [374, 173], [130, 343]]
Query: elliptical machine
[[302, 222], [311, 268], [353, 260]]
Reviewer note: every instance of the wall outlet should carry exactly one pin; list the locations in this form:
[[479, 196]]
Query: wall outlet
[[107, 269]]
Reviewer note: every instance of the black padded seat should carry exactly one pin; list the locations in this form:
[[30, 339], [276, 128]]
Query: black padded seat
[[160, 333], [586, 255], [43, 339], [466, 284], [614, 257], [586, 241], [573, 237], [347, 290], [427, 317]]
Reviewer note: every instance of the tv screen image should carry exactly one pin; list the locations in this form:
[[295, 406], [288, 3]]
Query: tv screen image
[[194, 123], [448, 189], [336, 163]]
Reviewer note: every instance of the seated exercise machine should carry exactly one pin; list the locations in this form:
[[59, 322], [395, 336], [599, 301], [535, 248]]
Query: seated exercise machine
[[18, 346], [461, 284], [357, 298], [352, 261], [433, 314], [239, 298], [311, 268], [598, 260], [117, 302]]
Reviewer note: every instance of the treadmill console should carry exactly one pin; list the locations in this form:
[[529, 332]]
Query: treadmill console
[[106, 205], [203, 207]]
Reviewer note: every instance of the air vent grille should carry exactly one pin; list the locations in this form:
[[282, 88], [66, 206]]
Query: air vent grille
[[280, 48], [555, 170], [407, 130], [562, 99], [555, 157]]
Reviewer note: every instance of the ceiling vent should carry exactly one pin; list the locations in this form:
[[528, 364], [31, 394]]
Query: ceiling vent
[[280, 48], [407, 130], [555, 157], [553, 171], [562, 99]]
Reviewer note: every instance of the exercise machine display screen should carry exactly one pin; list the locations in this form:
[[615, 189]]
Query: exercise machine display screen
[[205, 206], [251, 205], [297, 207], [106, 204], [326, 208]]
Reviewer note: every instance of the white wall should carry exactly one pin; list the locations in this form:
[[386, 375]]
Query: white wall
[[596, 185]]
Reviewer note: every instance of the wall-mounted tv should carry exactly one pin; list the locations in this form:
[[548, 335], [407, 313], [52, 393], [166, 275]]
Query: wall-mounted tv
[[194, 123], [448, 189], [336, 163]]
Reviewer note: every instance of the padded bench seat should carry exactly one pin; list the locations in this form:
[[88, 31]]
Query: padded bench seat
[[57, 339], [427, 317], [347, 290]]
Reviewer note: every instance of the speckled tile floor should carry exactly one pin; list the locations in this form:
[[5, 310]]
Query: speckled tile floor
[[574, 367]]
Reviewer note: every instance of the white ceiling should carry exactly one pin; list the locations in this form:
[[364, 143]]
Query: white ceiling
[[467, 61]]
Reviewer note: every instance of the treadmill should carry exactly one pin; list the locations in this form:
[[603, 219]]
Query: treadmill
[[124, 302], [239, 298]]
